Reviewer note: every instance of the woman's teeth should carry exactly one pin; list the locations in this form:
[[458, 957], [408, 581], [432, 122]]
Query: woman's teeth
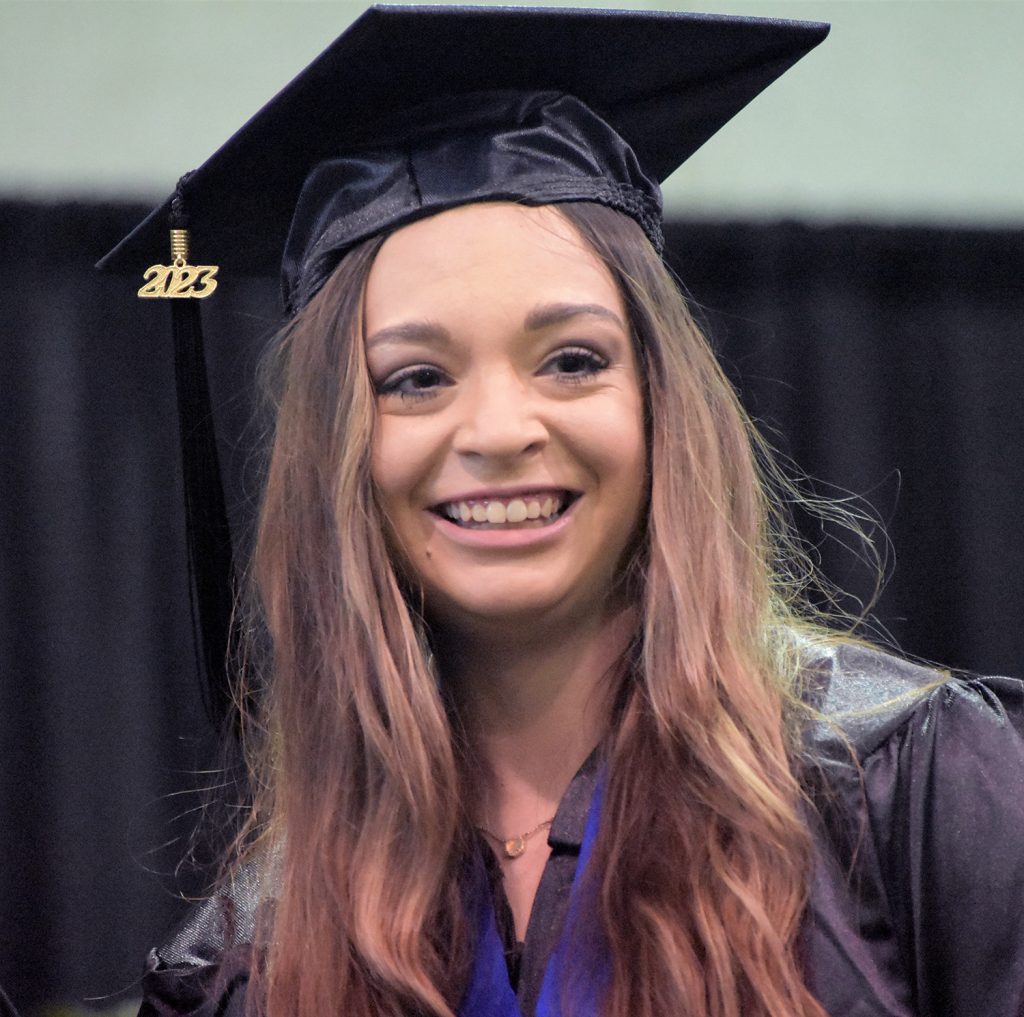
[[490, 512]]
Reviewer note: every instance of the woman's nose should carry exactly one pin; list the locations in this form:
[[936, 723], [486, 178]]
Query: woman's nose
[[498, 417]]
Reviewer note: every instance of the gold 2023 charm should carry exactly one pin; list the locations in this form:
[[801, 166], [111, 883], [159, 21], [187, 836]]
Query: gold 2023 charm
[[179, 279]]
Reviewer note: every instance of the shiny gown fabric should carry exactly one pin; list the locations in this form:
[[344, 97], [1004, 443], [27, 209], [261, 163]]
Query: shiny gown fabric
[[917, 900]]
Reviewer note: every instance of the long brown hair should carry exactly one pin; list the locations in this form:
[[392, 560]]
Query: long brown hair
[[357, 759]]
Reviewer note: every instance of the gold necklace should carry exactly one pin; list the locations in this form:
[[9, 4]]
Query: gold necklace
[[515, 846]]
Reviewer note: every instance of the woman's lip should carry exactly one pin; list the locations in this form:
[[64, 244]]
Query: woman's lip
[[500, 538]]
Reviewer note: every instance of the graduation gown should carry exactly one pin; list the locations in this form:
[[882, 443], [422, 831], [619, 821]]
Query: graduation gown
[[917, 896]]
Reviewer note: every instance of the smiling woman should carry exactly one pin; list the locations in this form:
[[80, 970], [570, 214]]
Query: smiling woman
[[522, 567], [521, 398]]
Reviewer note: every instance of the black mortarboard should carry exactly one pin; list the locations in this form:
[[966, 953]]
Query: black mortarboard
[[417, 109], [664, 82]]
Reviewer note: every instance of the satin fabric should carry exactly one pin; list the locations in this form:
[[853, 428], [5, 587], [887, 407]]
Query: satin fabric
[[490, 994], [533, 148], [916, 905]]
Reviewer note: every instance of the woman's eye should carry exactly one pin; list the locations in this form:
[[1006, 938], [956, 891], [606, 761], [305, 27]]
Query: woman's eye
[[417, 382], [575, 364]]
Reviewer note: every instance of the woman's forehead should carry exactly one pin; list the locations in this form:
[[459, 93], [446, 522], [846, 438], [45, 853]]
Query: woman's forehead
[[514, 257]]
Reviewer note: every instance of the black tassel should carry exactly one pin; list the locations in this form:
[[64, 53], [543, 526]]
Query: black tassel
[[210, 555]]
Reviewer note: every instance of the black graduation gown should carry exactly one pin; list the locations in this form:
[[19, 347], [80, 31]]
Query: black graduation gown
[[917, 898]]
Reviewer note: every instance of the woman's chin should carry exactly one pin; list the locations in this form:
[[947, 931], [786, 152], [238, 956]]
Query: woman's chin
[[509, 614]]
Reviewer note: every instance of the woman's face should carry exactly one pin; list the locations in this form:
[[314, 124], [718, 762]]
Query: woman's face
[[510, 457]]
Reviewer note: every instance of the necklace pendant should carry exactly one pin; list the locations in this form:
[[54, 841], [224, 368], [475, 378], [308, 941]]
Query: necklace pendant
[[514, 847]]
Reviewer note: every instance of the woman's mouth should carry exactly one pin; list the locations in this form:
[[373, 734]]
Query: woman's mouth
[[518, 512]]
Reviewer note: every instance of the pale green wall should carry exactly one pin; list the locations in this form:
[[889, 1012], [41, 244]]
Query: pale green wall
[[910, 110]]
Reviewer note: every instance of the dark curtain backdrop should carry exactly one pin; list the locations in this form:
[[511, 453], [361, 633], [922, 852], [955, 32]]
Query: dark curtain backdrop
[[886, 362]]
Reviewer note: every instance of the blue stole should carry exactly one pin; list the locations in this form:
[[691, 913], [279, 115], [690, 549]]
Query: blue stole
[[490, 993]]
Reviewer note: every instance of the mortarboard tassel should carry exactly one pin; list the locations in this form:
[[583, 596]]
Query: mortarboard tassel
[[210, 556]]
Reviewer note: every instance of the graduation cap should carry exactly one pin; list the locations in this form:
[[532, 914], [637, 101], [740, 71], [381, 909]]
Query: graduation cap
[[414, 110]]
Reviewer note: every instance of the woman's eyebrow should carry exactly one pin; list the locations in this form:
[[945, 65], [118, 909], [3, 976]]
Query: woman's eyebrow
[[554, 314], [426, 332]]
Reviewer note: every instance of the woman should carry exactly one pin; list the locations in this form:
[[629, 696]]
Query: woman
[[546, 729]]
